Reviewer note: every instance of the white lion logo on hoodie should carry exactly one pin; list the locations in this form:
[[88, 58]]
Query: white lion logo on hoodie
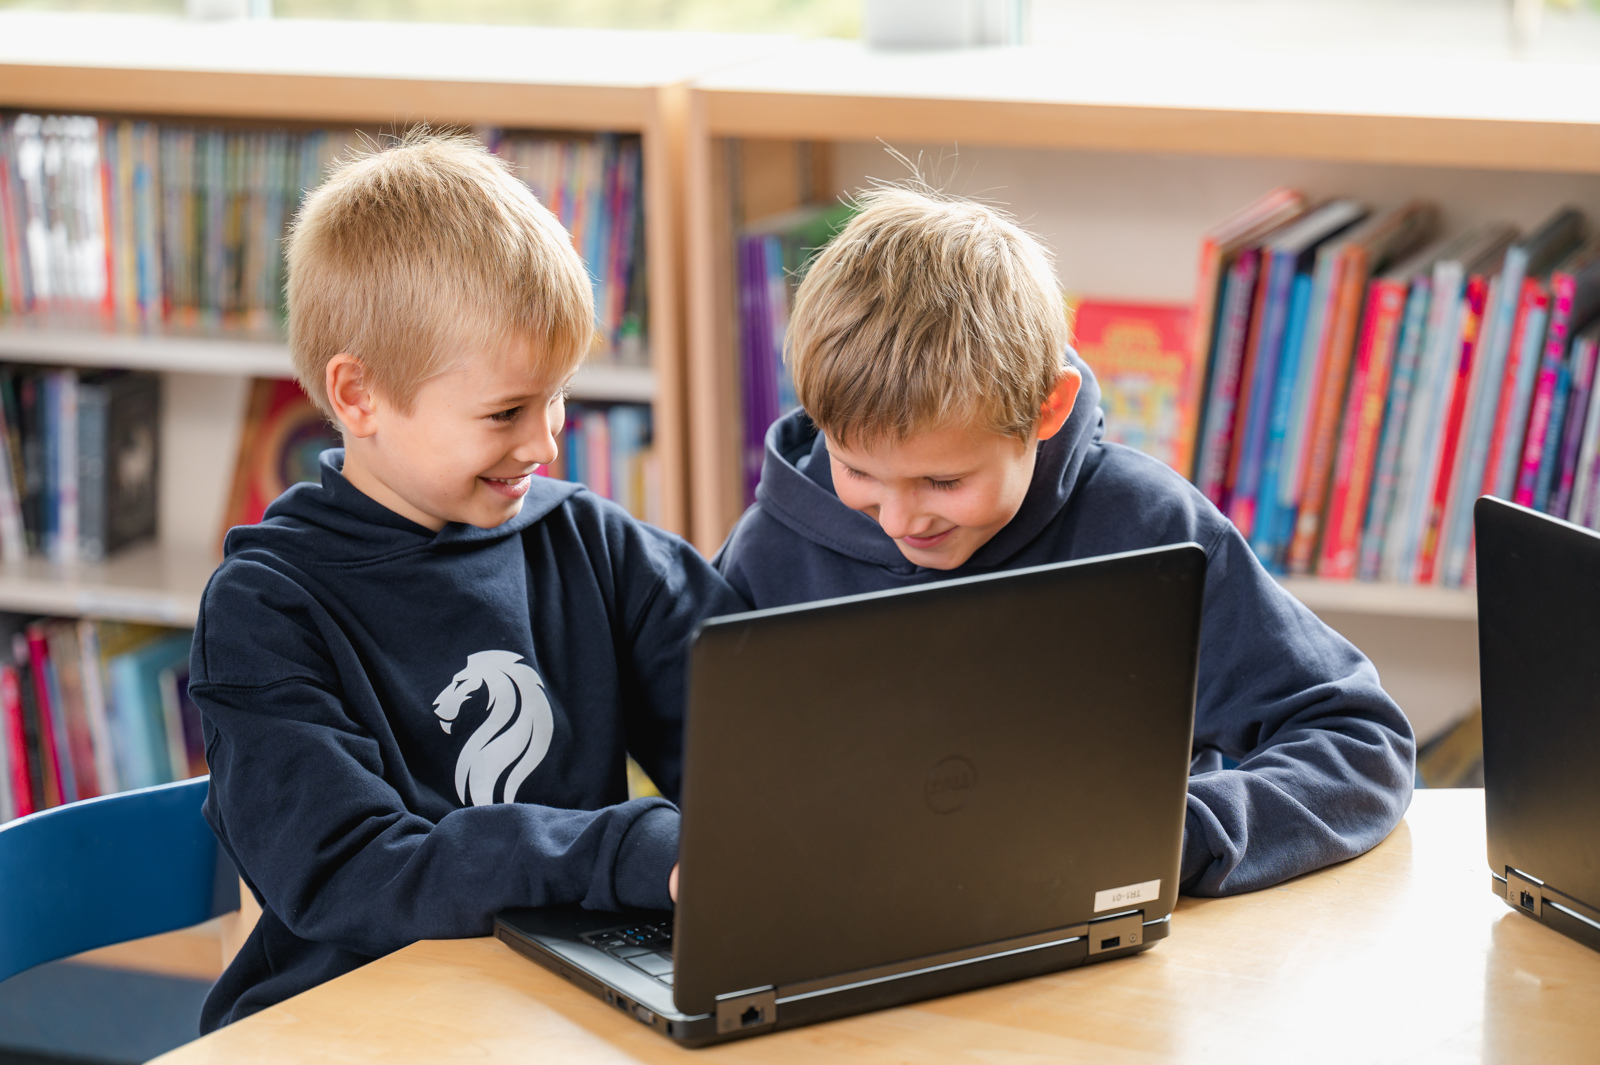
[[511, 743]]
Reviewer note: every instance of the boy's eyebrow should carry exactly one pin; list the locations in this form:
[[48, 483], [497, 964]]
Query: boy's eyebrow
[[522, 397]]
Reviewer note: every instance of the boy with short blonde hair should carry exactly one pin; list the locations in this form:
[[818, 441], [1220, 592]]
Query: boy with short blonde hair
[[948, 430], [420, 678]]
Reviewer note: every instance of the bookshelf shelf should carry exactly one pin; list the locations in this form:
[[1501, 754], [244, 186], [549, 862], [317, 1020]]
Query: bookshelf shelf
[[21, 342], [387, 77], [1384, 599], [149, 583]]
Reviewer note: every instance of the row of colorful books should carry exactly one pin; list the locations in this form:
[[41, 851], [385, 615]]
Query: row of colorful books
[[1366, 379], [92, 707], [772, 255], [151, 225], [609, 449], [79, 461]]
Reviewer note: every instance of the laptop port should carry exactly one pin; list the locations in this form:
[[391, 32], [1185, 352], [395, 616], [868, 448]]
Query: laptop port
[[750, 1016], [1111, 944], [644, 1015], [1527, 900]]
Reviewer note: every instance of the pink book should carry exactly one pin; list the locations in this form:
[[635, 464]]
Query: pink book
[[1563, 288]]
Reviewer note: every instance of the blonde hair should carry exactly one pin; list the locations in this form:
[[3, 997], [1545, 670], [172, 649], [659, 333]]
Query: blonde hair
[[927, 310], [409, 254]]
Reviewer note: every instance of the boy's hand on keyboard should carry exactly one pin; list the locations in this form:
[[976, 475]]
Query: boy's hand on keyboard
[[672, 883]]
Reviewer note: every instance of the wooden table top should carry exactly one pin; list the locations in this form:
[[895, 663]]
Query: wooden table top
[[1402, 955]]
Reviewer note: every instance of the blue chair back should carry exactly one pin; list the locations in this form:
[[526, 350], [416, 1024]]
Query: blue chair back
[[106, 870]]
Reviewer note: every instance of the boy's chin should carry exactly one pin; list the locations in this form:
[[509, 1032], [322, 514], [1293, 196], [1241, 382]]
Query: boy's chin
[[939, 558]]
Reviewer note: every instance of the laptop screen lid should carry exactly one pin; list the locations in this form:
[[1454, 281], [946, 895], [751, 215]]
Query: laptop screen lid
[[897, 775], [1538, 634]]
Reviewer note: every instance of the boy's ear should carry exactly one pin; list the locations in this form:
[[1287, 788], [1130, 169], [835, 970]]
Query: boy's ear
[[1058, 404], [354, 405]]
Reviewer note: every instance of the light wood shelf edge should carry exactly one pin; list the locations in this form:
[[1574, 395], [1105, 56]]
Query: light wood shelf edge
[[1385, 599], [1490, 144], [596, 381]]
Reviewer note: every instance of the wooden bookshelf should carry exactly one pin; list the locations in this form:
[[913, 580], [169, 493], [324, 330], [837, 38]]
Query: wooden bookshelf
[[797, 104], [597, 381], [1382, 599], [385, 76], [151, 582]]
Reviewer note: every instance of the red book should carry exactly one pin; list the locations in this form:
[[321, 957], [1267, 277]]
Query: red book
[[1363, 422], [1140, 354], [55, 793], [1472, 320], [16, 740], [1330, 402], [1218, 249], [1242, 512], [108, 302]]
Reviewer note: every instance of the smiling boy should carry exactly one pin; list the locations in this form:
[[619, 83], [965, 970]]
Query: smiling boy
[[420, 678], [948, 430]]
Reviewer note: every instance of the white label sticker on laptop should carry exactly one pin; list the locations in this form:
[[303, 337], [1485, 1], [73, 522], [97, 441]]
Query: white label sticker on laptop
[[1120, 897]]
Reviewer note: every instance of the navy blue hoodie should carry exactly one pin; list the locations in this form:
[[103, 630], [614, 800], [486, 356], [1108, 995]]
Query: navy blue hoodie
[[409, 731], [1325, 756]]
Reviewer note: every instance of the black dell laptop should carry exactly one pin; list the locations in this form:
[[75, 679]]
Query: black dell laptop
[[1539, 658], [906, 794]]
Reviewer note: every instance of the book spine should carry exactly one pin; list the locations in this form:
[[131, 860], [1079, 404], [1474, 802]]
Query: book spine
[[1516, 385], [1586, 495], [52, 729], [1419, 461], [93, 402], [1313, 355], [1256, 385], [1550, 460], [1563, 288], [16, 741], [1455, 530], [1583, 355], [1471, 323], [1266, 540], [1331, 390], [1202, 329], [1385, 478], [1222, 401], [1358, 443]]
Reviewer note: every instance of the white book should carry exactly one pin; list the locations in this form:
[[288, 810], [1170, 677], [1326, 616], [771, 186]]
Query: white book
[[1483, 395], [1419, 455]]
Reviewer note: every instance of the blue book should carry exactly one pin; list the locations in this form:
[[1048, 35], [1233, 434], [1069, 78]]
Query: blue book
[[1271, 526], [1550, 458]]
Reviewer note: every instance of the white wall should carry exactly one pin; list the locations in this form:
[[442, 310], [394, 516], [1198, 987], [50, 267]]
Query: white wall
[[1130, 225]]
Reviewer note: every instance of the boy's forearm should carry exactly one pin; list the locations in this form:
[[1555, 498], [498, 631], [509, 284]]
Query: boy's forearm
[[339, 858]]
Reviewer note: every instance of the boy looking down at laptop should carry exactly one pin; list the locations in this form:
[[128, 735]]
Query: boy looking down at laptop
[[948, 430], [420, 677]]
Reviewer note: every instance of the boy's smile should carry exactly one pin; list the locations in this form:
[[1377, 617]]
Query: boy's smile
[[943, 493], [467, 449]]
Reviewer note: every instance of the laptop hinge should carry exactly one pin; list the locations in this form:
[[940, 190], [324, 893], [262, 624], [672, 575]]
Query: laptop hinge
[[744, 1011]]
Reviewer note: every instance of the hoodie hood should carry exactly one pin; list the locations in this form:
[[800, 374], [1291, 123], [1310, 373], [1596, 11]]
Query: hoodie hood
[[337, 522], [797, 487]]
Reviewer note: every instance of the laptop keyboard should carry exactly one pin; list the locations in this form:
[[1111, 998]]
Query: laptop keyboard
[[646, 947]]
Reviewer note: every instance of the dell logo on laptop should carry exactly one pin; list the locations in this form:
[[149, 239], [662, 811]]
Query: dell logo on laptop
[[950, 785]]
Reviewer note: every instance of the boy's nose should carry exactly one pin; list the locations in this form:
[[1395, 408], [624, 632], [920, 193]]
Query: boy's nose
[[897, 519], [539, 447]]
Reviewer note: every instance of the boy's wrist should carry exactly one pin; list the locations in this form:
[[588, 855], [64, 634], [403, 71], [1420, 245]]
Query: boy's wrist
[[645, 859]]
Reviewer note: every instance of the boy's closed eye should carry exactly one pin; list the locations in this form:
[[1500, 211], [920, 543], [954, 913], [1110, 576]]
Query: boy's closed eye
[[511, 413], [940, 484]]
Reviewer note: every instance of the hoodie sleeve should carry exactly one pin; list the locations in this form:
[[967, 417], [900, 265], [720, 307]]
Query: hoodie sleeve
[[668, 591], [1326, 758], [300, 798]]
